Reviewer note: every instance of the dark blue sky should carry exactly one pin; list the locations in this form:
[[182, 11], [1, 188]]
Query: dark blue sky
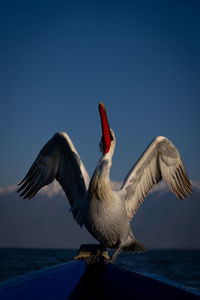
[[58, 59]]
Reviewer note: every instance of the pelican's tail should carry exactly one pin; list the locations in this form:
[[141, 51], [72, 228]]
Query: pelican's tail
[[134, 246]]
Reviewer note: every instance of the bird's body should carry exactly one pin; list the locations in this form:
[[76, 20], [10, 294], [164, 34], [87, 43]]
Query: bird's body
[[106, 213], [106, 218]]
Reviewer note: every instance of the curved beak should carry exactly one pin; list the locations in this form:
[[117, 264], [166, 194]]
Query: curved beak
[[105, 128]]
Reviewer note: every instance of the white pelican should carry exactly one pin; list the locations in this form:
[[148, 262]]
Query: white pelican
[[106, 213]]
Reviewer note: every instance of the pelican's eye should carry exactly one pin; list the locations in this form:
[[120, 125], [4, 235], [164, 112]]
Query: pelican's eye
[[101, 145], [111, 136]]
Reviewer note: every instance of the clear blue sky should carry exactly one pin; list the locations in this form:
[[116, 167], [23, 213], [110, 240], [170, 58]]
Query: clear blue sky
[[58, 59]]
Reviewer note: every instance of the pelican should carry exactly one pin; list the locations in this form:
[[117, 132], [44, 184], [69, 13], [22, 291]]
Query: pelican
[[106, 213]]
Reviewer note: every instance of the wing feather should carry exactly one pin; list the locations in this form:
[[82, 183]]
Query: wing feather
[[59, 160], [160, 160]]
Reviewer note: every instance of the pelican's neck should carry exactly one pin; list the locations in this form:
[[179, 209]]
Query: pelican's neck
[[100, 187]]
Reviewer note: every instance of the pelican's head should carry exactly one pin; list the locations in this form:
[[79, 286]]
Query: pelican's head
[[107, 143]]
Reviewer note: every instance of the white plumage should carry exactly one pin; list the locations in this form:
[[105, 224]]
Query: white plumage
[[104, 212]]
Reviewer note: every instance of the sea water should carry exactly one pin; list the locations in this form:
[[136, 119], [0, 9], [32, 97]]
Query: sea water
[[180, 265]]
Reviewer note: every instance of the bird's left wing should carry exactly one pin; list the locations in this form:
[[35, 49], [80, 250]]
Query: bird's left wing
[[160, 160], [59, 160]]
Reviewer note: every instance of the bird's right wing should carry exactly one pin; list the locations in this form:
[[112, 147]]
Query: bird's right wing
[[160, 160], [59, 160]]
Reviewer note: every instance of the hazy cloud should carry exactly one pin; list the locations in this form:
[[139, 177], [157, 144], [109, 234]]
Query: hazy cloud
[[8, 189], [54, 188], [196, 185]]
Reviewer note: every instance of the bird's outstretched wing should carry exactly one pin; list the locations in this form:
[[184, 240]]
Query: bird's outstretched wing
[[160, 160], [58, 159]]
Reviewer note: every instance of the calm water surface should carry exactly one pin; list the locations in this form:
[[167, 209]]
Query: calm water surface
[[179, 265]]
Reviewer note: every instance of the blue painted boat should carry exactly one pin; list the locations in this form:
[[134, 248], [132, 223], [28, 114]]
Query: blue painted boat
[[78, 280]]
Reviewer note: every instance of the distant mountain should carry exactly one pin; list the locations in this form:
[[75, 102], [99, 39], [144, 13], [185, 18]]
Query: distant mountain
[[162, 221]]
